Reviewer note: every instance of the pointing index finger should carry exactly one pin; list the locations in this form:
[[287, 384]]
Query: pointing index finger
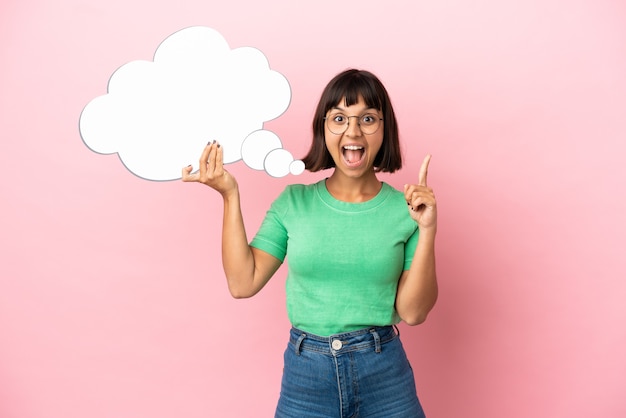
[[424, 171]]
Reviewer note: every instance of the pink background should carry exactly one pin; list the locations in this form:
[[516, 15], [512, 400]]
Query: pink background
[[112, 296]]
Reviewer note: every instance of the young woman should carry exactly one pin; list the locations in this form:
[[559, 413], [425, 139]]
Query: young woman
[[361, 258]]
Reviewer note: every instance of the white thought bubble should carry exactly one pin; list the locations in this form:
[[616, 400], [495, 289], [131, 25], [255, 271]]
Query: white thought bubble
[[159, 115]]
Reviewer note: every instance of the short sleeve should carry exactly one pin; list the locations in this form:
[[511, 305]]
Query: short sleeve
[[272, 235], [409, 248]]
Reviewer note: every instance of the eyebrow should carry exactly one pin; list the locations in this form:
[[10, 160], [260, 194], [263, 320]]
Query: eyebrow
[[369, 109]]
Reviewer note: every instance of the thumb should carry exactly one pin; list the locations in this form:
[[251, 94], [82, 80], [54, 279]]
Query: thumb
[[186, 172]]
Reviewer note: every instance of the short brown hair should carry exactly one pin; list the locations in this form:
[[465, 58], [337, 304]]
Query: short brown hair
[[349, 86]]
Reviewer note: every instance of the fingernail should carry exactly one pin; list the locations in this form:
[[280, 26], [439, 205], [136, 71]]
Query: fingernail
[[219, 145]]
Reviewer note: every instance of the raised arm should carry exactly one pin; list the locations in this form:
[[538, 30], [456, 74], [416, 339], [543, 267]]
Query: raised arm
[[417, 288], [247, 269]]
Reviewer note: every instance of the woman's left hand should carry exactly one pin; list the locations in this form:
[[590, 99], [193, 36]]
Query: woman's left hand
[[421, 199]]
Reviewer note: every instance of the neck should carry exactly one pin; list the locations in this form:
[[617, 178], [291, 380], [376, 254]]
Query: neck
[[355, 190]]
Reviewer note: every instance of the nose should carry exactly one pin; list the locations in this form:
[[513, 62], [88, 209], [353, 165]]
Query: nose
[[354, 129]]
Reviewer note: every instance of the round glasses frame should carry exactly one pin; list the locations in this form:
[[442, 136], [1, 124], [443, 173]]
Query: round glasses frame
[[369, 123]]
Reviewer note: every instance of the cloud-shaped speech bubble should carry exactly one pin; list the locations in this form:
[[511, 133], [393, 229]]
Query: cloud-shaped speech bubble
[[159, 115]]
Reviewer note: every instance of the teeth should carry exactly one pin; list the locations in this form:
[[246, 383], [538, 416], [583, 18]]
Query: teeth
[[353, 147]]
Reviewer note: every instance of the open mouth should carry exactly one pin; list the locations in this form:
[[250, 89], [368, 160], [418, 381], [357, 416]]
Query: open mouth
[[353, 154]]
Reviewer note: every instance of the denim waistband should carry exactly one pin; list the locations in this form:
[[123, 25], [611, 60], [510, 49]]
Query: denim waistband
[[362, 339]]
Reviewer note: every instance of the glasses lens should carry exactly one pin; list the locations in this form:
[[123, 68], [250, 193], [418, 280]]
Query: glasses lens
[[337, 123], [369, 123]]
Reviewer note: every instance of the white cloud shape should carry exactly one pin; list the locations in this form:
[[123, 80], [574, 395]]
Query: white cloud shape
[[159, 115]]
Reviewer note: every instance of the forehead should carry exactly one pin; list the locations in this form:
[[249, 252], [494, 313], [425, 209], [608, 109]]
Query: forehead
[[359, 106], [355, 109]]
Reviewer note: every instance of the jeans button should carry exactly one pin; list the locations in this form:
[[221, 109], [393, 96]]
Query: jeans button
[[337, 344]]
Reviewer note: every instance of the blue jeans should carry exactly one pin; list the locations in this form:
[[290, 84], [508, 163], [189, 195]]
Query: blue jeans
[[361, 374]]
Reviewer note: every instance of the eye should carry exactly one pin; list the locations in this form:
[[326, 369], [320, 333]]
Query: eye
[[338, 118], [369, 119]]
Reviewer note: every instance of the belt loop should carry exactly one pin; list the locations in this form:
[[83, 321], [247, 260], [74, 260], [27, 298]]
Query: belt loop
[[299, 343], [397, 329], [376, 340]]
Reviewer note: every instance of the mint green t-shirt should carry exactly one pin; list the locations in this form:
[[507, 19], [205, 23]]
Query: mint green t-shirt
[[344, 259]]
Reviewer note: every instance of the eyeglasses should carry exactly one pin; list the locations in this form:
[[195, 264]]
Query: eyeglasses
[[338, 123]]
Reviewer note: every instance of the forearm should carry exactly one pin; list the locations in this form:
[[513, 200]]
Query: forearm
[[237, 257], [417, 288]]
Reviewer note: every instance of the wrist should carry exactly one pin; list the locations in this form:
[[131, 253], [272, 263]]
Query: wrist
[[231, 194], [428, 231]]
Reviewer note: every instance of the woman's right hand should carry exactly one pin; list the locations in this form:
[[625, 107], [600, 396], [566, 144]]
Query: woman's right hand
[[212, 171]]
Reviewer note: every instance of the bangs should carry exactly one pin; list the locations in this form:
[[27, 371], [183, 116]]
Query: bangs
[[350, 89]]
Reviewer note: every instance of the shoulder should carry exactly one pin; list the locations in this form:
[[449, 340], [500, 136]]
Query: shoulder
[[394, 195], [300, 190], [296, 195], [395, 208], [305, 187]]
